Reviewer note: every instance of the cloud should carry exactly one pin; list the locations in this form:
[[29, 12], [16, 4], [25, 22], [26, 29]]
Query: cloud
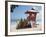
[[37, 8], [39, 15]]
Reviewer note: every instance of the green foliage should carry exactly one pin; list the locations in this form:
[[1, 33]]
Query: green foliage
[[13, 7]]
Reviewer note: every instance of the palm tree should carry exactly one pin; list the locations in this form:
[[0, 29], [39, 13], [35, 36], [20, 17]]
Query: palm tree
[[13, 7]]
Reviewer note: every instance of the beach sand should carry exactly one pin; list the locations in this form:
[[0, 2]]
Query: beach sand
[[13, 28]]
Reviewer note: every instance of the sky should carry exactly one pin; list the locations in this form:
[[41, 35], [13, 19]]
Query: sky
[[19, 12]]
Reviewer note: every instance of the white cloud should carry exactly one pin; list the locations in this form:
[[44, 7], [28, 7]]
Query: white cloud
[[39, 15]]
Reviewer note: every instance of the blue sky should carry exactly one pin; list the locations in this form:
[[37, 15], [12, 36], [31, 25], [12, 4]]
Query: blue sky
[[19, 12]]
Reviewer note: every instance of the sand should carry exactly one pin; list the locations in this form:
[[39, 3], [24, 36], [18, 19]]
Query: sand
[[13, 28]]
